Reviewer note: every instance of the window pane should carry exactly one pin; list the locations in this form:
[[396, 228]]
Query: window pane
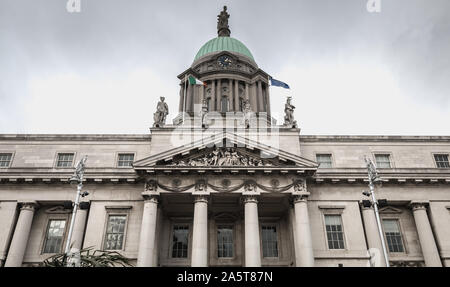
[[269, 241], [224, 105], [5, 159], [383, 160], [335, 235], [225, 241], [115, 232], [54, 236], [126, 160], [65, 160], [324, 160], [393, 235], [442, 160], [180, 241]]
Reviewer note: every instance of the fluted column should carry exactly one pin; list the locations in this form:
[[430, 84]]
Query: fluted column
[[252, 243], [236, 95], [190, 97], [219, 95], [267, 99], [213, 95], [148, 231], [230, 95], [303, 231], [373, 236], [79, 228], [21, 234], [426, 238], [181, 103], [253, 99], [260, 97], [200, 232]]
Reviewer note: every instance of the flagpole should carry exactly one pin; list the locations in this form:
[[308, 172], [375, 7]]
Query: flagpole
[[184, 98]]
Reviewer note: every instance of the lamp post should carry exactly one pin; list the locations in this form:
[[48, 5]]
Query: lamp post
[[373, 177], [77, 177]]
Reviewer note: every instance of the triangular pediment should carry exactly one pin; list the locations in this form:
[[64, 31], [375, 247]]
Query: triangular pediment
[[390, 210], [225, 151]]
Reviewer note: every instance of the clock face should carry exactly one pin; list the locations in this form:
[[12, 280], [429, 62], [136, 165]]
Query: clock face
[[224, 61]]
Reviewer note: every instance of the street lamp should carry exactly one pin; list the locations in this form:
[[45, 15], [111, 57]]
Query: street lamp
[[77, 178], [373, 178]]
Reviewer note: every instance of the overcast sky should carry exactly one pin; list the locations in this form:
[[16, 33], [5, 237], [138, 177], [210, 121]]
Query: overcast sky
[[103, 70]]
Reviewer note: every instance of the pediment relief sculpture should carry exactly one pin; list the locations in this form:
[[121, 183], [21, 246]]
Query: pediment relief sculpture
[[223, 157]]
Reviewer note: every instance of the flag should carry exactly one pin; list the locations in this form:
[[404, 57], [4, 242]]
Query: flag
[[277, 83], [194, 81]]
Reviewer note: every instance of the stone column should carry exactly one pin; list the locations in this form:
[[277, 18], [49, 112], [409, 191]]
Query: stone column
[[21, 234], [252, 243], [303, 232], [213, 95], [200, 232], [148, 231], [230, 95], [247, 91], [253, 100], [180, 103], [373, 237], [190, 97], [236, 95], [267, 99], [219, 95], [427, 243], [260, 97], [79, 228]]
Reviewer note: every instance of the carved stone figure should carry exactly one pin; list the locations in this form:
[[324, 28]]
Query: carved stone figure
[[247, 111], [223, 29], [289, 114], [223, 157], [162, 110]]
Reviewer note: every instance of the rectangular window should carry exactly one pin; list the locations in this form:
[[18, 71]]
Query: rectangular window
[[335, 235], [225, 241], [65, 160], [54, 236], [180, 241], [324, 160], [383, 160], [125, 160], [269, 241], [441, 160], [5, 159], [393, 235], [115, 232]]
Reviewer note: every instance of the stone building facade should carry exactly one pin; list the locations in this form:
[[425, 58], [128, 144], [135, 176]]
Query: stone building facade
[[210, 190]]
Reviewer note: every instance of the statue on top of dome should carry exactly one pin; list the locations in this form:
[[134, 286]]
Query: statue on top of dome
[[222, 23]]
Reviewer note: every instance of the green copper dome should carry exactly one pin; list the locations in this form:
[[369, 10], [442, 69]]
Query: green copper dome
[[223, 44]]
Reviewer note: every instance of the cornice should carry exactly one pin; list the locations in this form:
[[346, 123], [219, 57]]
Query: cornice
[[372, 138], [75, 137]]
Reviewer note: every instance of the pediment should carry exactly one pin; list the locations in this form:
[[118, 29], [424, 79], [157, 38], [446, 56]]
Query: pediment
[[225, 151], [390, 210]]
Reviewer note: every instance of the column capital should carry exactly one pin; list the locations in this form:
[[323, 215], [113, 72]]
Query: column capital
[[419, 205], [150, 197], [201, 198], [249, 198], [296, 198], [28, 205]]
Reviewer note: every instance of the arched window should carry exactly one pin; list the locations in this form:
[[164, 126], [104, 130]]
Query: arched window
[[224, 104]]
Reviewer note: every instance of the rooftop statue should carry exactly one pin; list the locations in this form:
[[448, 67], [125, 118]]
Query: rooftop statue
[[162, 110], [222, 23], [289, 114]]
